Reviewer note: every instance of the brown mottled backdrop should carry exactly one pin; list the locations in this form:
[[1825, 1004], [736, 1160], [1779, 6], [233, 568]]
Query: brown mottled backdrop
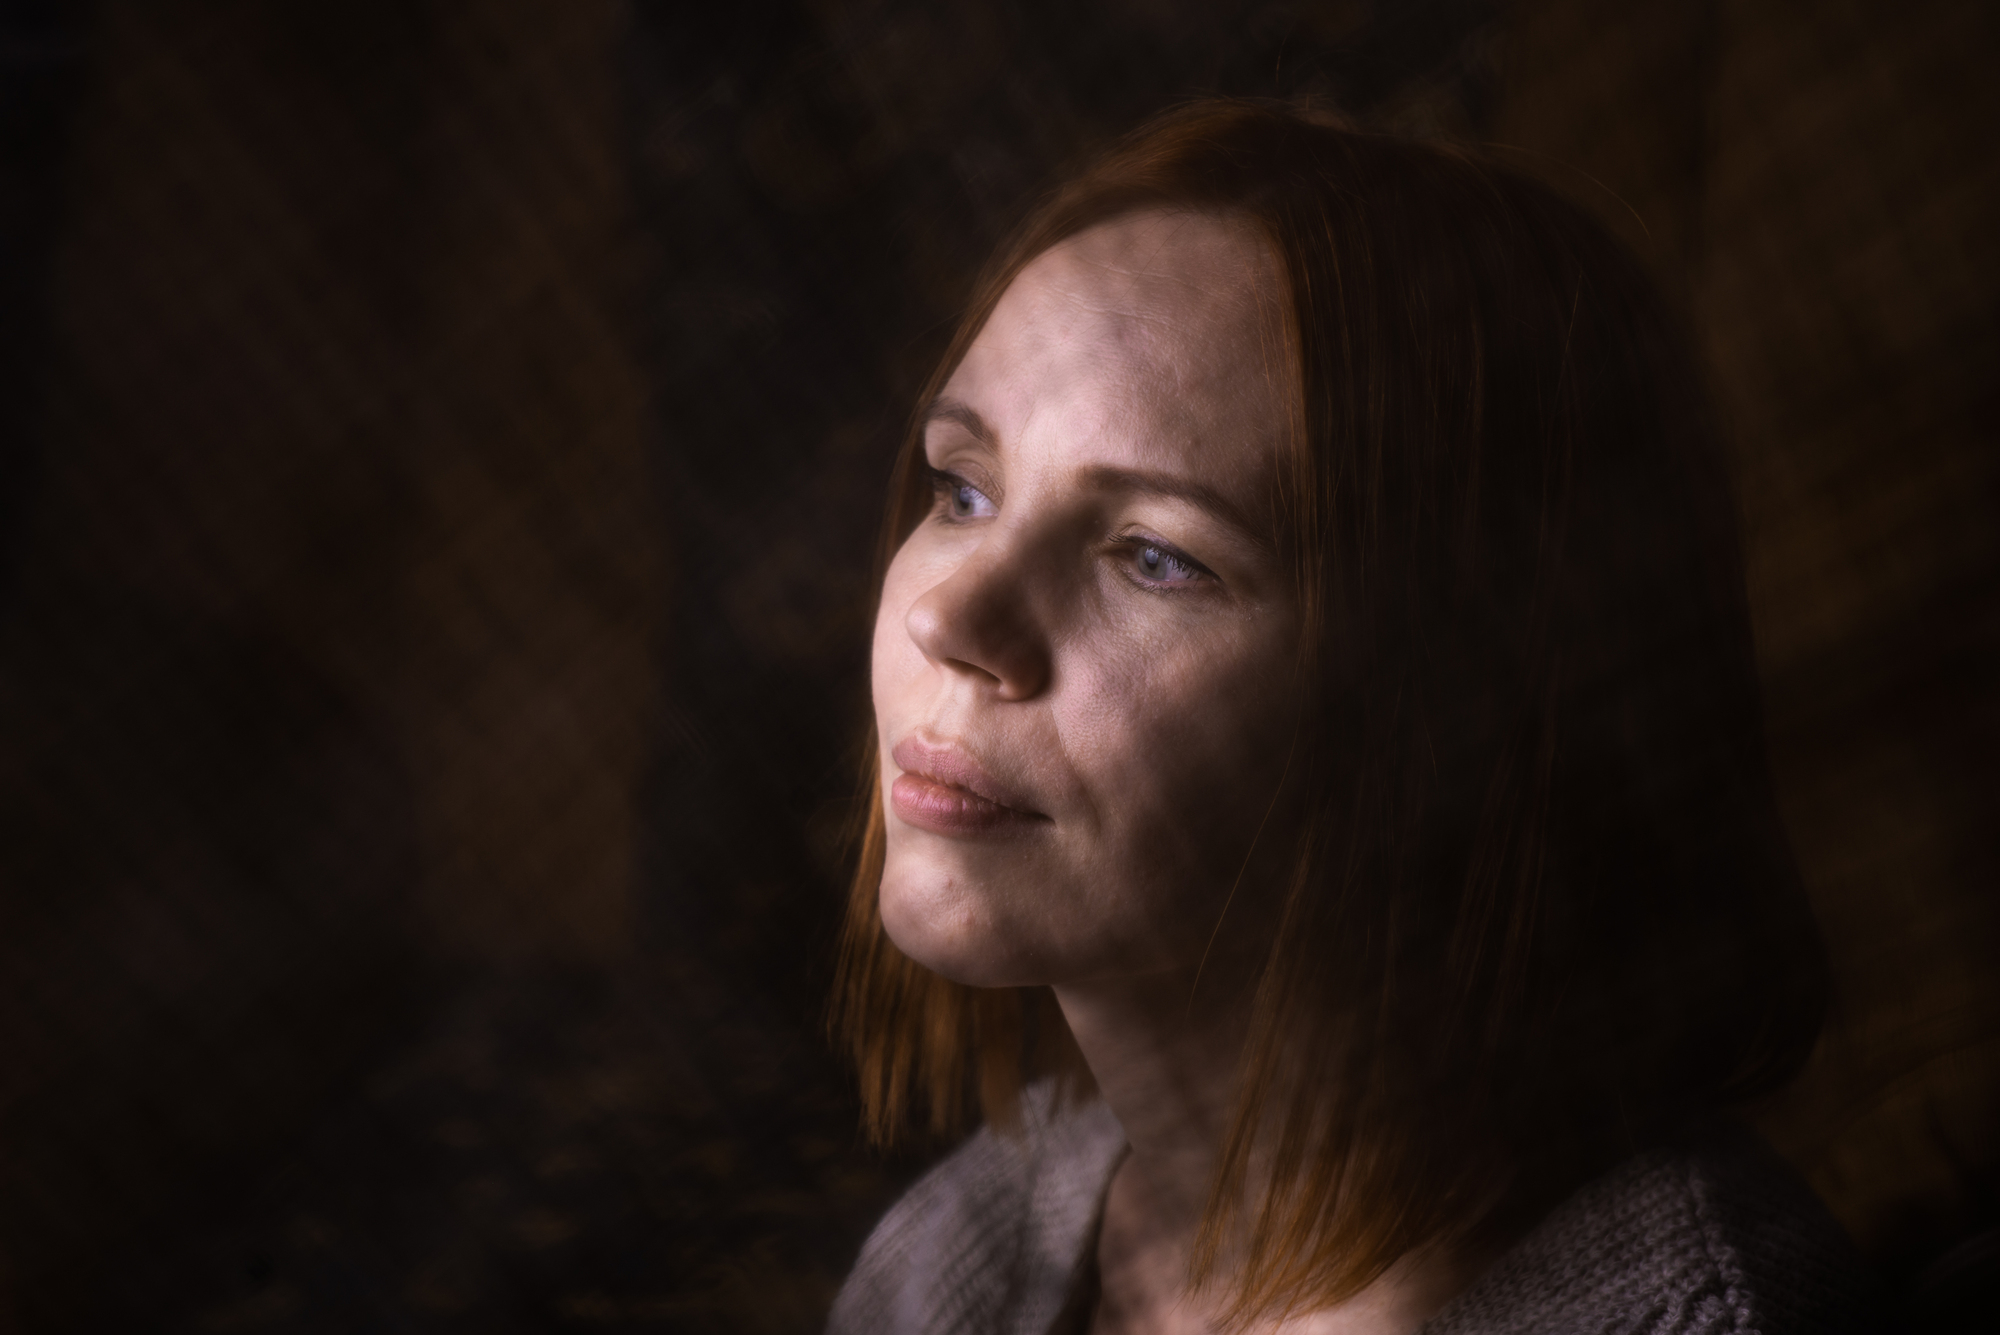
[[441, 451]]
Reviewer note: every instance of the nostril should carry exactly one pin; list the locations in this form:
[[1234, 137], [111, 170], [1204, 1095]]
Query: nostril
[[973, 669]]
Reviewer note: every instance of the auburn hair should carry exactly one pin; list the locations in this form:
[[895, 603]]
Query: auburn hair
[[1541, 910]]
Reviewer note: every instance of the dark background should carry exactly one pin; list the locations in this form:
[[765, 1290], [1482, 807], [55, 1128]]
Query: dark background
[[440, 448]]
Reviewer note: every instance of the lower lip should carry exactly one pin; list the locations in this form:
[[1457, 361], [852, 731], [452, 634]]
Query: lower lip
[[930, 805]]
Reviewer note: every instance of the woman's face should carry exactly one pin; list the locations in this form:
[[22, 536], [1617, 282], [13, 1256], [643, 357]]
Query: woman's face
[[1083, 658]]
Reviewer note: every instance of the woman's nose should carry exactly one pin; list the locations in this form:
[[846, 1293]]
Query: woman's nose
[[980, 620]]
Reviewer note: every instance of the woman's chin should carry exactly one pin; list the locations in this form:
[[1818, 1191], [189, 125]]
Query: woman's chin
[[949, 932]]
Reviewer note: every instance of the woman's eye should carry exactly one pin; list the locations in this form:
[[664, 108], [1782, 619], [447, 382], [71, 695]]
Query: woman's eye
[[962, 500], [1157, 564]]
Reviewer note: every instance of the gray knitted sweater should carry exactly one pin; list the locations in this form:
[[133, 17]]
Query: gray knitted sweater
[[1715, 1236]]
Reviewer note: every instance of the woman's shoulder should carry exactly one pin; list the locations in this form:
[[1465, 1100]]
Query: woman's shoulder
[[991, 1238], [1713, 1235]]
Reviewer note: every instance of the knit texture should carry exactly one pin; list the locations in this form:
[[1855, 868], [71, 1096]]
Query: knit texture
[[1715, 1237], [991, 1239]]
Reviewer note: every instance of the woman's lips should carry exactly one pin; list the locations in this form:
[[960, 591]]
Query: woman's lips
[[944, 790]]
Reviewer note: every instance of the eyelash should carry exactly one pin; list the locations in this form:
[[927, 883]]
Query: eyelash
[[1137, 547], [944, 486]]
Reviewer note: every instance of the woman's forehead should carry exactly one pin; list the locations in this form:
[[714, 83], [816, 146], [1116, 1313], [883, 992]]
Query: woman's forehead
[[1152, 285], [1156, 334]]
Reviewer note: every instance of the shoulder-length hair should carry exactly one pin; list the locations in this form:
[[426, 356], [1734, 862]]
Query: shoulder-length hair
[[1541, 910]]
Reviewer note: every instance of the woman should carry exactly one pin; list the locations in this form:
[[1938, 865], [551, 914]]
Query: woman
[[1320, 813]]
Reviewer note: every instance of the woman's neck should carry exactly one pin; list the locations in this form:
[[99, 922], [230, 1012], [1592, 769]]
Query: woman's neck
[[1168, 1068]]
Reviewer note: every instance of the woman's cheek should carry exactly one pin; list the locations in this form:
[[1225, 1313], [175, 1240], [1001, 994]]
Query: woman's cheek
[[1180, 736], [895, 657]]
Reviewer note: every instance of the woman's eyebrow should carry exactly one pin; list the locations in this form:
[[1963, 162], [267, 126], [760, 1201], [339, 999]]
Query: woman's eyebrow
[[963, 415], [1108, 477]]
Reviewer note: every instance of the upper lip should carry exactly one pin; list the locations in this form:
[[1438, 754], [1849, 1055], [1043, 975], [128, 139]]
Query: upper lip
[[952, 765]]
